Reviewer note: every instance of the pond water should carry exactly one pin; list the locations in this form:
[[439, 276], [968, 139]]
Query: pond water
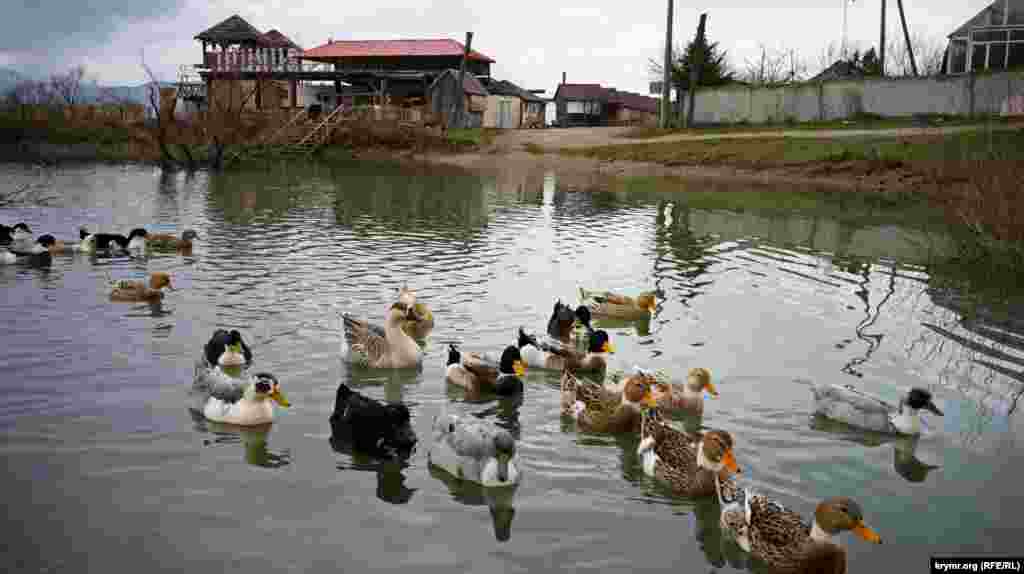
[[107, 469]]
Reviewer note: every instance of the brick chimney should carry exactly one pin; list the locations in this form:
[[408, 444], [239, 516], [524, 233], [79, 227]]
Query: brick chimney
[[563, 77]]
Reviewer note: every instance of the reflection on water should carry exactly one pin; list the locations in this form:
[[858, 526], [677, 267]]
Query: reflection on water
[[904, 447], [498, 500], [765, 289]]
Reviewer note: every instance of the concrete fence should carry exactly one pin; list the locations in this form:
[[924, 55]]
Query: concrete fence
[[1001, 93]]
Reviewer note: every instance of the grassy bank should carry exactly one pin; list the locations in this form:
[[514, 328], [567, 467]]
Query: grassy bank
[[861, 122]]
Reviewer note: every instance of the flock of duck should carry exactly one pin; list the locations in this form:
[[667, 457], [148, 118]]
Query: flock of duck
[[692, 463]]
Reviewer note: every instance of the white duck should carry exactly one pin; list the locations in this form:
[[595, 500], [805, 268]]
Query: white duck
[[244, 401], [475, 450], [859, 409]]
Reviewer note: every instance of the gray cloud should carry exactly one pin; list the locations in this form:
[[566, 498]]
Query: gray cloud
[[44, 27]]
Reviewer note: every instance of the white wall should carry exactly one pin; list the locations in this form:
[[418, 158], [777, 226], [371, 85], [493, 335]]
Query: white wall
[[952, 95]]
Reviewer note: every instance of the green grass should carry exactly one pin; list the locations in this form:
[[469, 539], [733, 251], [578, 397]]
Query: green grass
[[533, 149], [57, 131], [966, 146], [472, 137]]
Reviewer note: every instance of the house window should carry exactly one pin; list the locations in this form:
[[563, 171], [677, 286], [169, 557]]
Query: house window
[[574, 108], [957, 57], [989, 36], [978, 54]]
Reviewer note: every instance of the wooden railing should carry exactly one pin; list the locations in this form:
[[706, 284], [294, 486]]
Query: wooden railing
[[324, 125]]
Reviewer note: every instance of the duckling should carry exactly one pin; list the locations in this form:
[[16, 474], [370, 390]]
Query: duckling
[[780, 538], [613, 305], [168, 242], [860, 409], [245, 402], [138, 291], [475, 450], [555, 356], [395, 349], [476, 373], [564, 318], [688, 467], [226, 348], [588, 404], [371, 427]]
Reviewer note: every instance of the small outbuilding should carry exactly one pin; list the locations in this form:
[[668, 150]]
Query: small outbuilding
[[443, 96]]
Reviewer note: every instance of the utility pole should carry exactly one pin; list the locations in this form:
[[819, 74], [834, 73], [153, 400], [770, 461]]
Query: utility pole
[[460, 101], [881, 45], [906, 38], [698, 56], [666, 88]]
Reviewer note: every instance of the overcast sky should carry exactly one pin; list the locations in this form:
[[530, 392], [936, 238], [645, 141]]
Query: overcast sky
[[532, 41]]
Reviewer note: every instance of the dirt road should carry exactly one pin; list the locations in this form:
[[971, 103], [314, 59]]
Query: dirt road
[[555, 138]]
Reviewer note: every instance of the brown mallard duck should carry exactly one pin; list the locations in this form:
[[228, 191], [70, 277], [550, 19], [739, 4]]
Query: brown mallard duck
[[614, 305], [588, 404], [139, 290], [688, 464], [780, 537], [555, 356]]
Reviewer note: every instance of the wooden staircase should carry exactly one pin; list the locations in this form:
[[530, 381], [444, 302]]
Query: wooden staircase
[[299, 137]]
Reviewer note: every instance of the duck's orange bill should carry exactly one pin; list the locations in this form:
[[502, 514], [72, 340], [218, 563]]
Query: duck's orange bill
[[730, 462], [711, 389], [867, 533], [607, 348], [649, 399]]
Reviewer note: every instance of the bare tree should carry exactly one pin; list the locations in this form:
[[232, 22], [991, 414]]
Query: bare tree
[[928, 51], [68, 86], [775, 68]]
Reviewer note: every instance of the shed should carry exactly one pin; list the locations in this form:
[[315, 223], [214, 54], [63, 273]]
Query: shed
[[581, 105], [443, 95], [510, 106]]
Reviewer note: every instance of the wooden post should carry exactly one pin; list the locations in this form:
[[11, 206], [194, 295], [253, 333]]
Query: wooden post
[[666, 88], [293, 100], [906, 38], [881, 45], [460, 101], [698, 56]]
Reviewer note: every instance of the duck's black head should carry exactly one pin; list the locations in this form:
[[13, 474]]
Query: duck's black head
[[454, 357], [583, 316], [46, 240], [234, 337], [525, 340], [83, 232], [919, 398], [137, 232], [342, 395], [511, 361], [599, 342]]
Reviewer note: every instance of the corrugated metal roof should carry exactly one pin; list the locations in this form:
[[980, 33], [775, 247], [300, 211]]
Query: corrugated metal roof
[[992, 15], [506, 88], [391, 49], [470, 84], [633, 101]]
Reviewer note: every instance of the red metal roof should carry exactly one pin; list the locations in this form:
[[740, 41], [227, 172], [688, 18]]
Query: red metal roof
[[391, 49], [582, 92], [633, 101]]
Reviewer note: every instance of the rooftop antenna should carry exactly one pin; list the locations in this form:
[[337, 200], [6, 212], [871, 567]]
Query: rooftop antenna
[[846, 4]]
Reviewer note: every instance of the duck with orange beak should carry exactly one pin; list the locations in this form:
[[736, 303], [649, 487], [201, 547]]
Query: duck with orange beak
[[592, 409], [780, 538], [689, 468]]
